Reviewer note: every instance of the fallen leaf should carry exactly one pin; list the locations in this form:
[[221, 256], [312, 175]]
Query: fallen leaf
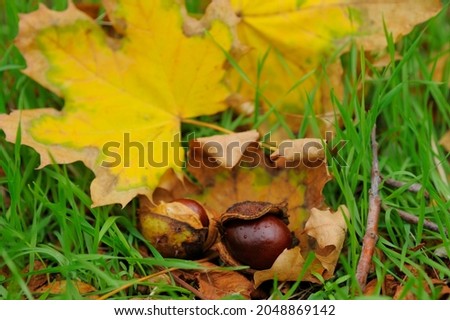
[[36, 280], [388, 287], [398, 17], [124, 98], [399, 288], [445, 141], [288, 266], [257, 178], [305, 150], [328, 229], [441, 68], [215, 284], [60, 287], [227, 149], [444, 293], [282, 45]]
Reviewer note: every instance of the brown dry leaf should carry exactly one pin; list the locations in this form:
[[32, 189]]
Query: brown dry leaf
[[60, 286], [257, 178], [399, 17], [441, 67], [400, 289], [305, 150], [388, 287], [37, 280], [228, 149], [445, 291], [328, 229], [217, 284], [445, 141], [214, 283], [288, 266]]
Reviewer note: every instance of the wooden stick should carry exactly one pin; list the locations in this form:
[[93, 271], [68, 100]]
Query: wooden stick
[[133, 282], [187, 286], [415, 187], [371, 235], [413, 219]]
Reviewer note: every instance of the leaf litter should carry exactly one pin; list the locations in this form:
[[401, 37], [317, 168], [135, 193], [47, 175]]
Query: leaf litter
[[288, 176]]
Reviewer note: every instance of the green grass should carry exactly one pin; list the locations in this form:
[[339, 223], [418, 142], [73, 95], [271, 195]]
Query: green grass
[[45, 215]]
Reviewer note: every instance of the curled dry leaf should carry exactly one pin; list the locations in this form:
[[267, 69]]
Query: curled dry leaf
[[306, 150], [328, 230], [257, 178], [287, 267], [227, 150]]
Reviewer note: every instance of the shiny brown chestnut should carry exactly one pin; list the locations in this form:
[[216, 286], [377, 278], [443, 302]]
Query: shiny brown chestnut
[[254, 234]]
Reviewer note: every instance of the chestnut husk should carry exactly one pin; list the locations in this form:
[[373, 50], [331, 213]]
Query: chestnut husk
[[248, 210], [176, 231]]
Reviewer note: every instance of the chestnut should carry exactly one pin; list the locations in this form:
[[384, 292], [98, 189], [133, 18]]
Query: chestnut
[[178, 229], [257, 243], [197, 208], [254, 234]]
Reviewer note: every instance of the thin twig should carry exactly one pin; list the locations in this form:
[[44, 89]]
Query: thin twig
[[371, 236], [415, 187], [187, 286], [413, 219], [132, 283], [153, 275]]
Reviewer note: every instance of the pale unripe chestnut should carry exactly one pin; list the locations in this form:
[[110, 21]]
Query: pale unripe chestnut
[[254, 234], [196, 207], [178, 229]]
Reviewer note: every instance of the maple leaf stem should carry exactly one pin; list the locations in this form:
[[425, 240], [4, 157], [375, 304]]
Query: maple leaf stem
[[207, 125], [373, 216], [223, 130]]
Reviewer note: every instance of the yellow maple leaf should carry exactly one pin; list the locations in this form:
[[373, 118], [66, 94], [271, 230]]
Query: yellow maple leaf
[[297, 35], [124, 99], [303, 38]]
